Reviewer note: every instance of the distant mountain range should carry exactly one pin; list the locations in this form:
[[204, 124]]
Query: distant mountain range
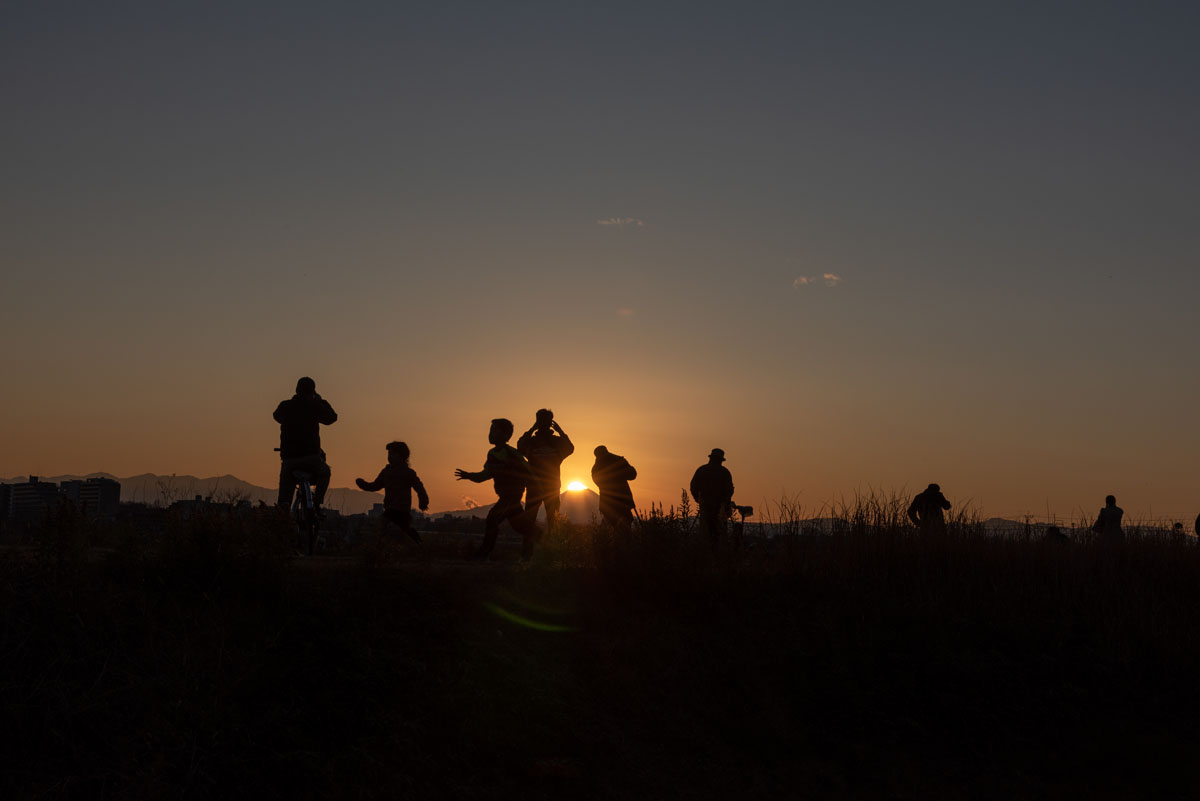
[[578, 507]]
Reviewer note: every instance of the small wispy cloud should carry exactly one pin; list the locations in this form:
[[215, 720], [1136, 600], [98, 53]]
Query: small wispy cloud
[[625, 311], [468, 502], [830, 280], [621, 222]]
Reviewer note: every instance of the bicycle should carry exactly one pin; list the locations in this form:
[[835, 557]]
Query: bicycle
[[304, 510]]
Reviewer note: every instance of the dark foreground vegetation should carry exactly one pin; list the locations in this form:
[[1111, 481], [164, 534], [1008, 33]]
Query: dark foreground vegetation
[[868, 664]]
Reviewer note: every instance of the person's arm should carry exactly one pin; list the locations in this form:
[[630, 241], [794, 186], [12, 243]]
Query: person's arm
[[372, 486], [945, 503], [629, 473], [694, 487], [912, 512], [480, 477], [278, 415], [565, 446], [422, 495], [525, 443], [325, 413]]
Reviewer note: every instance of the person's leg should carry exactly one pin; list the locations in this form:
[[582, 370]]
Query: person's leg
[[287, 484], [710, 527], [492, 528], [403, 519], [321, 473], [552, 501], [526, 525], [609, 510], [532, 501]]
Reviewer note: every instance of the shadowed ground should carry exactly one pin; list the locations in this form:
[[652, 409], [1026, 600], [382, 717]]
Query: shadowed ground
[[875, 665]]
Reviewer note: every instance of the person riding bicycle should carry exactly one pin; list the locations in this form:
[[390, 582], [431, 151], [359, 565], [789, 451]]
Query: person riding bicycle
[[398, 480], [300, 419]]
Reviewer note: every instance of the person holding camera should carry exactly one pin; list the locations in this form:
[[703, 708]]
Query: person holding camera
[[545, 445], [300, 419]]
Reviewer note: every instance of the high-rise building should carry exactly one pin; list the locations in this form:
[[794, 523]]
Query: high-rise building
[[93, 497], [31, 501], [5, 496]]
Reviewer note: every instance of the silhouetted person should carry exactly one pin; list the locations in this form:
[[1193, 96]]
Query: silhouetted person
[[926, 509], [300, 419], [545, 445], [712, 487], [398, 480], [611, 474], [510, 474], [1108, 523], [1054, 534]]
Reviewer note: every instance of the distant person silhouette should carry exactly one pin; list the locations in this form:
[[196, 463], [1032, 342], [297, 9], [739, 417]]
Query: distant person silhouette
[[1108, 522], [926, 509], [510, 474], [545, 446], [1198, 525], [300, 419], [398, 480], [1054, 534], [712, 487], [611, 474]]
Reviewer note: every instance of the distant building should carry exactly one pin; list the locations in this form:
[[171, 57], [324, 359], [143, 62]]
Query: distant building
[[5, 495], [93, 497], [189, 509], [31, 501]]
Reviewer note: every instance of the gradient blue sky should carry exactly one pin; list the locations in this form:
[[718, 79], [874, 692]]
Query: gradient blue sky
[[200, 202]]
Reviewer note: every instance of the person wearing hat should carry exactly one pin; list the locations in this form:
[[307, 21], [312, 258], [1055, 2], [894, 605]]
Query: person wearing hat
[[712, 487], [545, 445], [926, 508]]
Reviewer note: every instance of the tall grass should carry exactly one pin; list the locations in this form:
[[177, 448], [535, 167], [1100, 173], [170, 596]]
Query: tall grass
[[854, 659]]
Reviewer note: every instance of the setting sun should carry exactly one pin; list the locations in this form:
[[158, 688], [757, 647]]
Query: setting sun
[[576, 486]]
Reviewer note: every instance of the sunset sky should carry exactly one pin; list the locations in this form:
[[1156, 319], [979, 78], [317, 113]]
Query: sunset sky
[[855, 244]]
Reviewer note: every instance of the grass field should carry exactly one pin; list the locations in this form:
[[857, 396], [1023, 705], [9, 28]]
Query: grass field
[[869, 664]]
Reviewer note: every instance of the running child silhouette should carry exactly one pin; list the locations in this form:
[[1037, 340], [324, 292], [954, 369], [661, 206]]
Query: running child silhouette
[[510, 474], [398, 480]]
